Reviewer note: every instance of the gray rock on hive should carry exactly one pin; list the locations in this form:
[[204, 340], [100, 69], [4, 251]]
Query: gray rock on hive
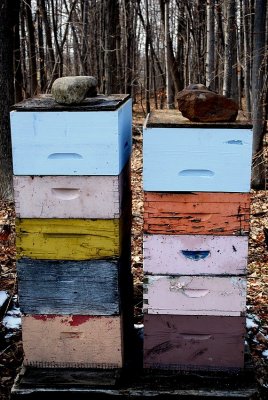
[[74, 89]]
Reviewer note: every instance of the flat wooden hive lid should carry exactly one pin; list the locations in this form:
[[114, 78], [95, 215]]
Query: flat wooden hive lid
[[174, 119], [46, 102]]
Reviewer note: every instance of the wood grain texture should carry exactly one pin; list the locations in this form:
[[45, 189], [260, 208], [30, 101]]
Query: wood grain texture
[[195, 254], [72, 341], [197, 159], [182, 342], [195, 295], [196, 213], [67, 239], [71, 143], [69, 287], [71, 196]]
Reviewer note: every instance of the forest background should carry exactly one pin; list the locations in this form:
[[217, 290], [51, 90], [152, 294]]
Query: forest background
[[150, 49]]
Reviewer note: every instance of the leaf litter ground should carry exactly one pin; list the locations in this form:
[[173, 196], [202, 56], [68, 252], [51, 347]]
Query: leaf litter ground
[[11, 353]]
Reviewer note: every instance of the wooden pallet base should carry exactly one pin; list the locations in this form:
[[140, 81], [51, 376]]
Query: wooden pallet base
[[38, 384]]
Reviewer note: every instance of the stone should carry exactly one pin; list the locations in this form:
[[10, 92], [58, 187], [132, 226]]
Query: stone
[[199, 104], [74, 89]]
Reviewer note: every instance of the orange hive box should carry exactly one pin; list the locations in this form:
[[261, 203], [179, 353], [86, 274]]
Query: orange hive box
[[196, 213]]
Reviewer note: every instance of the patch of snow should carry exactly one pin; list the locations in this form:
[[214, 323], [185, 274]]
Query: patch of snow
[[257, 319], [12, 322], [15, 311], [12, 319], [138, 326], [251, 324], [265, 353], [9, 335], [3, 297]]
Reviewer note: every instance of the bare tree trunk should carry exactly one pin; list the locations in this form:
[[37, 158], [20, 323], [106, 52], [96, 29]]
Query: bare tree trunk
[[85, 30], [17, 54], [180, 47], [51, 55], [210, 51], [75, 52], [171, 58], [130, 34], [41, 52], [6, 96], [239, 54], [111, 16], [59, 58], [258, 67], [23, 52], [32, 47], [229, 54], [154, 55], [169, 91], [220, 47], [247, 53], [147, 68]]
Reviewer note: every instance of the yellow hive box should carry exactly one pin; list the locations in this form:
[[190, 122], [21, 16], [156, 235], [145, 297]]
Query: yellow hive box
[[68, 239]]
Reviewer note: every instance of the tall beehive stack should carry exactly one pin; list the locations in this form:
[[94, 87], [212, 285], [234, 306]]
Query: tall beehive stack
[[196, 222], [73, 205]]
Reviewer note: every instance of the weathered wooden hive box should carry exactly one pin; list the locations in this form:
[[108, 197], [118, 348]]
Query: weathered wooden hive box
[[196, 213], [72, 341], [180, 155], [59, 287], [68, 239], [73, 207], [93, 138], [195, 254], [92, 196], [181, 341], [195, 295], [196, 223]]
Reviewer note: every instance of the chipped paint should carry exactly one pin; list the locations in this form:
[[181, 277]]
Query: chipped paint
[[77, 320], [198, 213]]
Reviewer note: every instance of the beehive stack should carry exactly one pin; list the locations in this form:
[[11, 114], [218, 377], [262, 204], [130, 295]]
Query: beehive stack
[[73, 205], [196, 222]]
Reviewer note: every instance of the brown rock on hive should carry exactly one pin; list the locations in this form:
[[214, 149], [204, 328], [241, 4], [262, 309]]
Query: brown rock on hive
[[199, 104]]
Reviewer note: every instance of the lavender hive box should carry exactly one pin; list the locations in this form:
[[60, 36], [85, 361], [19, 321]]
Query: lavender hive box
[[195, 254]]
